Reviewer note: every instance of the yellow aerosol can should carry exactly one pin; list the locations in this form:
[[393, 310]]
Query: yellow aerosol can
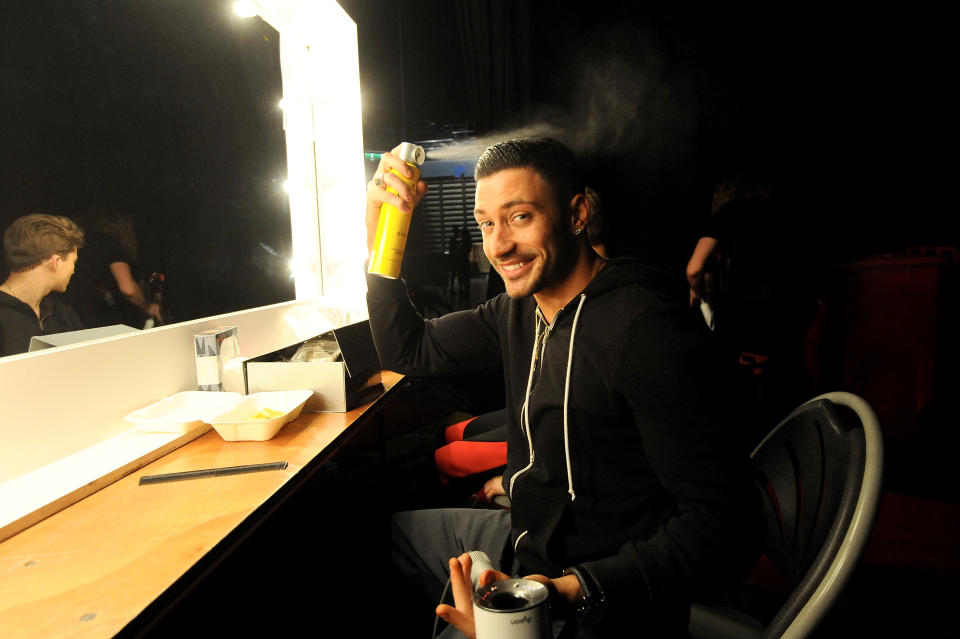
[[391, 237]]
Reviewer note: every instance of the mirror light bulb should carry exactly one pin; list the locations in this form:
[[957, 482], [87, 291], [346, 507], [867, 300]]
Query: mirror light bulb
[[245, 8]]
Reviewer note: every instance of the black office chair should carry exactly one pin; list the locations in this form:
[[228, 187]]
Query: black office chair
[[819, 472]]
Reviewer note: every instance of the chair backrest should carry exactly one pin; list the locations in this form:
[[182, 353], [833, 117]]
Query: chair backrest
[[820, 470]]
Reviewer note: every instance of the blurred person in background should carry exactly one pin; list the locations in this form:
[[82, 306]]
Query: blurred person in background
[[106, 291], [754, 274]]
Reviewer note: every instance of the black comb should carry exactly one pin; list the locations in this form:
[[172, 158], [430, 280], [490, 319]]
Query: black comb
[[211, 472]]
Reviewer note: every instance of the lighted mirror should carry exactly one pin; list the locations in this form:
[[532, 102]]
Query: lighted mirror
[[159, 124]]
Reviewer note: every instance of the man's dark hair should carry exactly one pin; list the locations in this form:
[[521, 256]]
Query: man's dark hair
[[551, 159], [33, 238]]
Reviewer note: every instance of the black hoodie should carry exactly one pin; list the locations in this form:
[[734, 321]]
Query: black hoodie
[[18, 322], [621, 458]]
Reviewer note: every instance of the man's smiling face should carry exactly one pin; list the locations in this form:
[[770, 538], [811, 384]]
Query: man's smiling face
[[526, 237]]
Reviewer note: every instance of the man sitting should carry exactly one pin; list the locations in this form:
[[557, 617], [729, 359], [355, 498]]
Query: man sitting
[[41, 252], [628, 494]]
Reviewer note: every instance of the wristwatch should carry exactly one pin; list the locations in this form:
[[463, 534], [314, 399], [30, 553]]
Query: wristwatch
[[589, 609]]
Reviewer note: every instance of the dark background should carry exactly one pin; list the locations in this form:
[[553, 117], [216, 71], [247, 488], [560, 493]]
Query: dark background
[[844, 104], [166, 111]]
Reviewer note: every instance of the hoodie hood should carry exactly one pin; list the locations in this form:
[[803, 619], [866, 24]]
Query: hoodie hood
[[663, 285]]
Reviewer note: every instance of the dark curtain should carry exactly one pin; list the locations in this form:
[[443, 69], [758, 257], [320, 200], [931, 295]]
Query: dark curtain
[[615, 84], [495, 44]]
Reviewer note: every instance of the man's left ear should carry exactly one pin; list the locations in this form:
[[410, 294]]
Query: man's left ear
[[579, 213]]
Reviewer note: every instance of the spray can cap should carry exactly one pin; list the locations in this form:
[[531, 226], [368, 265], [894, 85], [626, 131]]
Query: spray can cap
[[411, 153]]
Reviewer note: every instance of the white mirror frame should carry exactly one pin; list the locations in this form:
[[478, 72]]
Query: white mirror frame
[[324, 136]]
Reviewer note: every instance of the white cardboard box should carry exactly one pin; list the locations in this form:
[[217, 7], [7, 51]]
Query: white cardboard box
[[337, 386]]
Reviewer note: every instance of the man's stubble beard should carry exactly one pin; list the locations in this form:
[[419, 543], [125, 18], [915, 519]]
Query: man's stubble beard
[[554, 270]]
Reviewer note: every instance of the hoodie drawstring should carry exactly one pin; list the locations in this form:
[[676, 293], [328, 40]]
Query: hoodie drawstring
[[566, 399], [525, 417]]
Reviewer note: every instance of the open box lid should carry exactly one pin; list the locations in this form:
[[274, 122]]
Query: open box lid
[[358, 366], [357, 349]]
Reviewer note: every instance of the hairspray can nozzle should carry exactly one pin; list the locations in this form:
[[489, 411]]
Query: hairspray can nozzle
[[411, 153]]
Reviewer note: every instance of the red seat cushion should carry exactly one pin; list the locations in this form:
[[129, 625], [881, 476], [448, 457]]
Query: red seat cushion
[[463, 458]]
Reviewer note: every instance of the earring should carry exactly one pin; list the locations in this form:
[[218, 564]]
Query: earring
[[577, 231]]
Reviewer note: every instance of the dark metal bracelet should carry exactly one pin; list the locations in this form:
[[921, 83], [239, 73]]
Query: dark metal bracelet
[[590, 607]]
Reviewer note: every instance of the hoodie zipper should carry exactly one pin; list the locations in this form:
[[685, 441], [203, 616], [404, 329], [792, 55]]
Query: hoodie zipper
[[536, 364], [537, 359], [539, 347]]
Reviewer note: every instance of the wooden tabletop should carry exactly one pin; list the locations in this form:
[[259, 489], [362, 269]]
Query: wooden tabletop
[[90, 569]]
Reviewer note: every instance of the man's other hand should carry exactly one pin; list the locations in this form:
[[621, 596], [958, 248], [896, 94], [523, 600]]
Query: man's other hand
[[460, 615]]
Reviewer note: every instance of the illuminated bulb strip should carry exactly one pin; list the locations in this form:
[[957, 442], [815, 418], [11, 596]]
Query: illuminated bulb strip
[[322, 123], [245, 8]]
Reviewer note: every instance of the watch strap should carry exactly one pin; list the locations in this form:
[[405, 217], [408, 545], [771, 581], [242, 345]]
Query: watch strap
[[590, 606]]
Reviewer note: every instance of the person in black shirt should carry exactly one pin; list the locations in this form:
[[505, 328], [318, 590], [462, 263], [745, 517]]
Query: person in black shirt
[[756, 269], [105, 290], [41, 252]]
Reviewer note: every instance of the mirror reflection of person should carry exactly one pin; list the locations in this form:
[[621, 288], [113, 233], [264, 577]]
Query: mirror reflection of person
[[41, 253], [106, 291]]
